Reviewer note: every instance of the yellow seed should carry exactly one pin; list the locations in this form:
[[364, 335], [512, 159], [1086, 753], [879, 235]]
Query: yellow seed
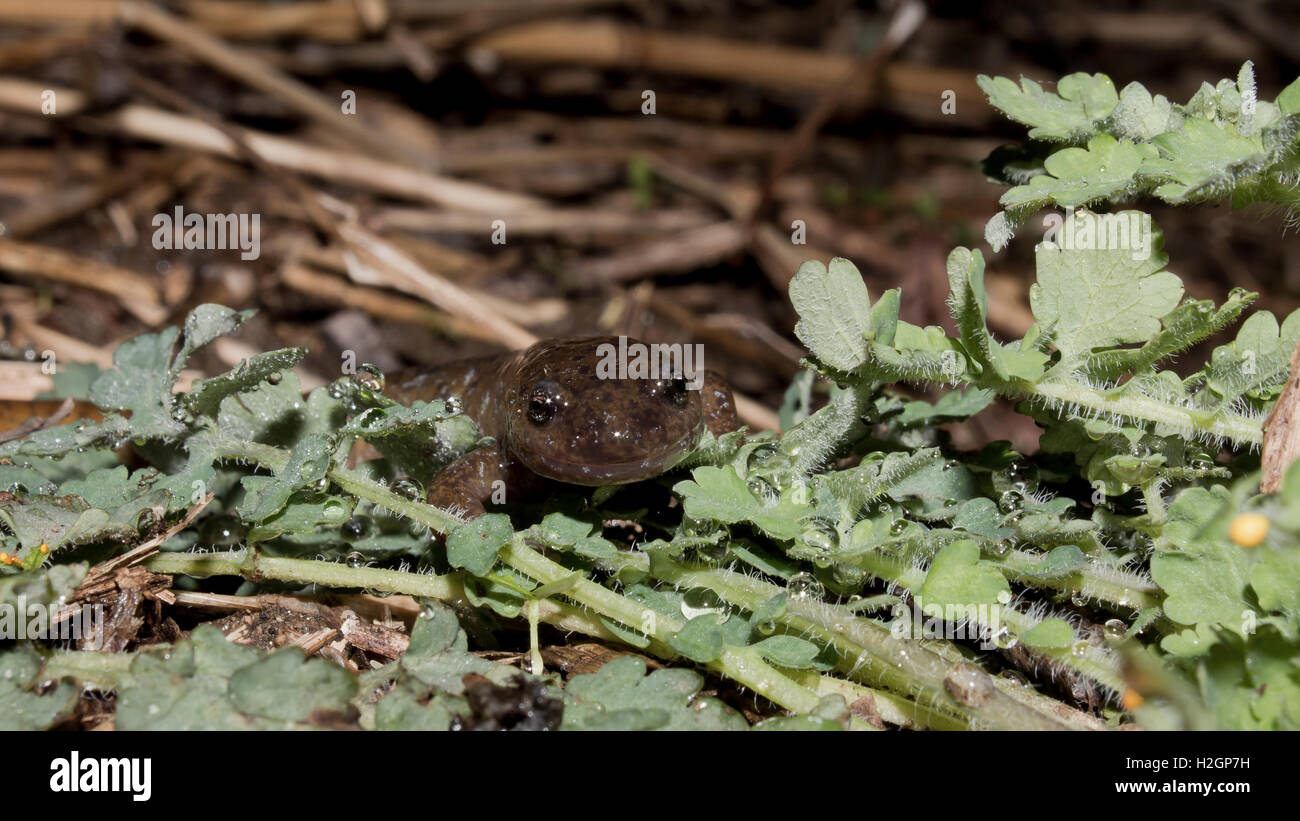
[[4, 557], [45, 548], [1248, 529], [1132, 699]]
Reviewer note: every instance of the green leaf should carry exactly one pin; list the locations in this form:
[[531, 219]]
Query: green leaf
[[1275, 578], [788, 651], [141, 382], [303, 512], [1095, 297], [1141, 116], [834, 310], [620, 696], [1070, 114], [145, 369], [1060, 562], [25, 706], [1079, 176], [1049, 634], [719, 493], [475, 544], [1203, 574], [59, 522], [309, 460], [205, 395], [208, 683], [959, 577], [969, 306], [420, 439], [1201, 160], [700, 639], [288, 686], [1253, 684]]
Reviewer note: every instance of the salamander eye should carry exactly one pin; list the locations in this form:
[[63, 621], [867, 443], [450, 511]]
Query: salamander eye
[[543, 402], [675, 389]]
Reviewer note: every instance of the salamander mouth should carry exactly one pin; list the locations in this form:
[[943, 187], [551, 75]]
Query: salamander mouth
[[577, 472]]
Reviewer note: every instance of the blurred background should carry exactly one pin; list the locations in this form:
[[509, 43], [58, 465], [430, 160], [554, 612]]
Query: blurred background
[[440, 178]]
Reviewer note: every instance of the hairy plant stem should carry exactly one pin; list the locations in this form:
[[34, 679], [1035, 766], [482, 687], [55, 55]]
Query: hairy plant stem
[[868, 652], [1114, 593], [1236, 429], [1156, 511], [1085, 659], [101, 671], [255, 566]]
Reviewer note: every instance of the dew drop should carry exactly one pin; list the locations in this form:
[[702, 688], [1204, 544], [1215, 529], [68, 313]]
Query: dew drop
[[805, 586], [821, 537], [1114, 630], [1011, 500], [1015, 677], [355, 560], [357, 528], [759, 456], [370, 377], [846, 575], [222, 531], [1022, 474], [765, 492], [714, 553], [700, 601], [408, 488]]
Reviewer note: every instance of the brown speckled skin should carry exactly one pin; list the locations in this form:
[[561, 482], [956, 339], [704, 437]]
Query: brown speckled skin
[[603, 432]]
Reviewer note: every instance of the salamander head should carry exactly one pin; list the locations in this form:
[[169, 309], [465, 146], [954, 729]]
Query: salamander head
[[569, 417]]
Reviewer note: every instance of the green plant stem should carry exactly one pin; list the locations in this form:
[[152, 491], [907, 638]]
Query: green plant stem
[[1093, 662], [102, 671], [1237, 429], [1092, 582], [867, 650], [892, 708], [1156, 512], [255, 566]]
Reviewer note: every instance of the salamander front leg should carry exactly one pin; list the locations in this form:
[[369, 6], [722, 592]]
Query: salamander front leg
[[465, 484]]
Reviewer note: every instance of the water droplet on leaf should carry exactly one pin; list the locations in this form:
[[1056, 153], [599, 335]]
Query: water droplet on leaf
[[1011, 500], [805, 586], [765, 492], [223, 530], [370, 377], [408, 488], [357, 528]]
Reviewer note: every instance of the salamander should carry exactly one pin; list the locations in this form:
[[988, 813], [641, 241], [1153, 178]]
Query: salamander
[[557, 412]]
